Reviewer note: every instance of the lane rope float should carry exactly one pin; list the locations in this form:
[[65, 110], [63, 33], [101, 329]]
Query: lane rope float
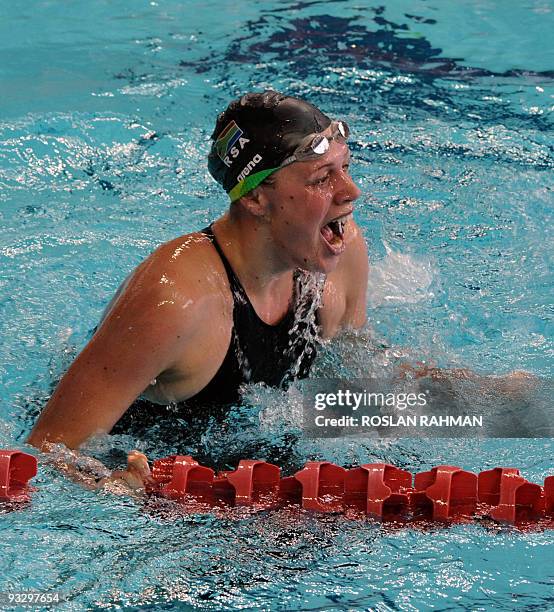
[[16, 469]]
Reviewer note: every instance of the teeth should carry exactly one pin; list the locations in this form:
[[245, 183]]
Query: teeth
[[337, 226]]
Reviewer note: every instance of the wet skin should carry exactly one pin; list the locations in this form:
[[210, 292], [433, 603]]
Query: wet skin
[[171, 323]]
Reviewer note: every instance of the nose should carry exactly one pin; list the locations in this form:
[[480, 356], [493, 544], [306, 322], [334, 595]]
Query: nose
[[346, 189]]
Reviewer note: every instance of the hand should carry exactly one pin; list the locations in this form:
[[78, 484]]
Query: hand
[[424, 370], [135, 479]]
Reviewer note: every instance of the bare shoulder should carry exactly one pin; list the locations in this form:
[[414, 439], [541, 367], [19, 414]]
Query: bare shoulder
[[189, 263], [184, 274], [345, 293]]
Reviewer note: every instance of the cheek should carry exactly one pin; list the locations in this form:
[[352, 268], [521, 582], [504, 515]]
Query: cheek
[[306, 207], [297, 217], [315, 210]]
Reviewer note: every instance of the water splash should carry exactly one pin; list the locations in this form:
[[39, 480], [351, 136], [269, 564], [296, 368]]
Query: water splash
[[400, 278], [304, 332]]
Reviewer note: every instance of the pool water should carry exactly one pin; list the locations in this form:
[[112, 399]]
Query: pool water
[[105, 116]]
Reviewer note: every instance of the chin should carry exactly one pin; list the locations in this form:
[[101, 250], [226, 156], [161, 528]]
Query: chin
[[321, 264], [318, 259], [330, 265]]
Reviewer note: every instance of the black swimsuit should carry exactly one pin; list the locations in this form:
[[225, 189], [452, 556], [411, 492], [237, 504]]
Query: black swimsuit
[[258, 352]]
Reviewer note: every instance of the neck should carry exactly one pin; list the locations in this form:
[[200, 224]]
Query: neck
[[248, 245]]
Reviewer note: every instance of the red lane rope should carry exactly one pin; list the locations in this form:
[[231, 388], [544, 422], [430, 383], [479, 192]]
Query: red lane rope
[[379, 490]]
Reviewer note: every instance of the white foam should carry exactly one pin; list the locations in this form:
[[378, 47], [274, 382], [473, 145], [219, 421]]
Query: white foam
[[400, 278]]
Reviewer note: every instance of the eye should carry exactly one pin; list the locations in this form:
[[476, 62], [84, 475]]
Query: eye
[[321, 180]]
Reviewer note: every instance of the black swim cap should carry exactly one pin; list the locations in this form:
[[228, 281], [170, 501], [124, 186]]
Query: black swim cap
[[255, 134]]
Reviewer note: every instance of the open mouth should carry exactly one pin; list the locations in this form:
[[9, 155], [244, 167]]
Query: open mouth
[[333, 233]]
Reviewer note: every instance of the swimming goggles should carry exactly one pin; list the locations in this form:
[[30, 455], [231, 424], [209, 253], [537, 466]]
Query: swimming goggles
[[311, 147], [315, 145]]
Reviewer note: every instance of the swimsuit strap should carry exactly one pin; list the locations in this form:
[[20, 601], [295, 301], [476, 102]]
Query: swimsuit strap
[[234, 282]]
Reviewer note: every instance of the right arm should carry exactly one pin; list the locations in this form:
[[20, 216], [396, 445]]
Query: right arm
[[141, 336], [137, 341]]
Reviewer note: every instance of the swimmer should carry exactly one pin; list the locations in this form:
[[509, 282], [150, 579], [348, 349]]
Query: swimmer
[[243, 300]]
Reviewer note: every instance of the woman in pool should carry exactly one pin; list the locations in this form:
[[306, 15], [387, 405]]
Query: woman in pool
[[240, 301]]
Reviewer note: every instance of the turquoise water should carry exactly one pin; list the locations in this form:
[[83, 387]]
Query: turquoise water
[[105, 113]]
